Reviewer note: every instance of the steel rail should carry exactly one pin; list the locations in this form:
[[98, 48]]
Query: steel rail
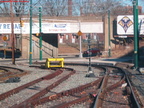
[[9, 72], [27, 103], [65, 93], [18, 89], [6, 70], [7, 67], [5, 74], [99, 98], [11, 75], [135, 102], [98, 101], [132, 94], [79, 100], [104, 65], [88, 95]]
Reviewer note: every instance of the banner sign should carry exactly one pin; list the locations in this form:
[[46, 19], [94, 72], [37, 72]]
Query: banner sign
[[46, 28], [92, 27], [125, 24]]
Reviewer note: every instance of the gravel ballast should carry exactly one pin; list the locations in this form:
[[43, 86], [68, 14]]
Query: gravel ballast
[[34, 73]]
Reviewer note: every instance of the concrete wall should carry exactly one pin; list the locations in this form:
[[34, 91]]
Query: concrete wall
[[25, 46], [106, 33]]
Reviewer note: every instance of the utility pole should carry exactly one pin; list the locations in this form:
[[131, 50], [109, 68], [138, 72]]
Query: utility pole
[[12, 32], [12, 28], [109, 52], [30, 54], [40, 32], [136, 38]]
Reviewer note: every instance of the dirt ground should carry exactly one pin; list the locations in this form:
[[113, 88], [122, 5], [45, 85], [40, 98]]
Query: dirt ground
[[115, 53]]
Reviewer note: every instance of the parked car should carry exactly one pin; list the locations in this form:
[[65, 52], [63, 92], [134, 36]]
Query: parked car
[[92, 52]]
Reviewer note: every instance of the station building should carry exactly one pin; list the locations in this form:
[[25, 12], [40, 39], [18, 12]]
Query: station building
[[57, 30]]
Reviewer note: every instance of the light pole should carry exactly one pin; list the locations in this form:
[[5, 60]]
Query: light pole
[[80, 38], [136, 31], [30, 53], [40, 32]]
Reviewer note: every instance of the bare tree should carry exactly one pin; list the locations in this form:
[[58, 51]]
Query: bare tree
[[5, 9], [60, 7], [55, 7], [95, 7], [19, 8], [87, 7]]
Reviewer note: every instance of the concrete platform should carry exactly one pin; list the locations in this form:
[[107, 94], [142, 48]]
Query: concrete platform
[[95, 60]]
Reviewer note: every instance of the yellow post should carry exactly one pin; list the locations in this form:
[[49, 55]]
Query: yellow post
[[59, 60]]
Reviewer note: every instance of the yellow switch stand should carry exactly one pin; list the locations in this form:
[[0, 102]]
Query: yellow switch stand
[[49, 60]]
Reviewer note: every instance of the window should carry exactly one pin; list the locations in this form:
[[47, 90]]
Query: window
[[67, 36]]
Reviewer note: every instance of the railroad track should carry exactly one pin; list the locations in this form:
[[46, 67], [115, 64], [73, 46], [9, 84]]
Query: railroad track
[[108, 90], [11, 74], [116, 90], [28, 88]]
